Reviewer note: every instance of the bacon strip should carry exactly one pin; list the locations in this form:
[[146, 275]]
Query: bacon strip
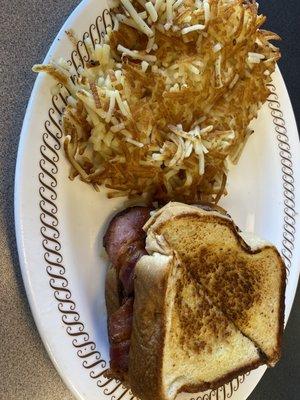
[[124, 242], [119, 356], [120, 323], [124, 229], [126, 274]]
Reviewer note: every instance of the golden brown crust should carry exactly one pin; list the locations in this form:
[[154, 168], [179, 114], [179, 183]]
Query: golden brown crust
[[149, 301], [145, 395], [281, 315], [147, 339]]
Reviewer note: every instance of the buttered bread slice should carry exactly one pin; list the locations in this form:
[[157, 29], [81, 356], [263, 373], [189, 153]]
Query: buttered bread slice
[[243, 276]]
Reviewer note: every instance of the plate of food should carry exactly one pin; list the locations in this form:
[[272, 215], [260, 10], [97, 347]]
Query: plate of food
[[156, 200]]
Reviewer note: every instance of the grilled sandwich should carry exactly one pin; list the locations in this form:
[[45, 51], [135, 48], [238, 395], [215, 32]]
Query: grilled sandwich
[[192, 301]]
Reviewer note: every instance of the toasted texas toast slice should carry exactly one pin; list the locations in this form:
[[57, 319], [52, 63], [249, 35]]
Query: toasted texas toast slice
[[245, 281], [180, 340]]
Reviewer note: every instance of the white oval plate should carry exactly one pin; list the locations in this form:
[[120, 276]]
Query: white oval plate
[[59, 224]]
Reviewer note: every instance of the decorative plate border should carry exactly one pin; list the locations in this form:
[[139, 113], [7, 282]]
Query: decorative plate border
[[84, 346], [289, 220]]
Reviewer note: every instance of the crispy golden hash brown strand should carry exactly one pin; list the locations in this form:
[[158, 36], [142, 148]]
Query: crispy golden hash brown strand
[[166, 100]]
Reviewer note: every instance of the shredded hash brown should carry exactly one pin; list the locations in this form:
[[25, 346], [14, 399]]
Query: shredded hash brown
[[164, 104]]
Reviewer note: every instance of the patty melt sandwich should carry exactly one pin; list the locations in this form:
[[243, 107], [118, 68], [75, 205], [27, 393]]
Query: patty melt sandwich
[[192, 301]]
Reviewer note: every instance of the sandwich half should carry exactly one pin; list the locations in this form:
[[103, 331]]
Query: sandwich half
[[192, 301]]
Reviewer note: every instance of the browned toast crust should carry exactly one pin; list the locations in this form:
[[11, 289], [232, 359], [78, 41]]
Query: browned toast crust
[[143, 385], [144, 394], [281, 313]]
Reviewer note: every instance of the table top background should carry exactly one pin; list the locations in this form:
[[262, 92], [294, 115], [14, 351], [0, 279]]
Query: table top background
[[27, 30]]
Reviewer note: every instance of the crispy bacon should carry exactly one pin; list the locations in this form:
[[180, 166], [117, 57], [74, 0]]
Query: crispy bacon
[[119, 356], [120, 323], [119, 329], [126, 274], [124, 242], [124, 229]]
